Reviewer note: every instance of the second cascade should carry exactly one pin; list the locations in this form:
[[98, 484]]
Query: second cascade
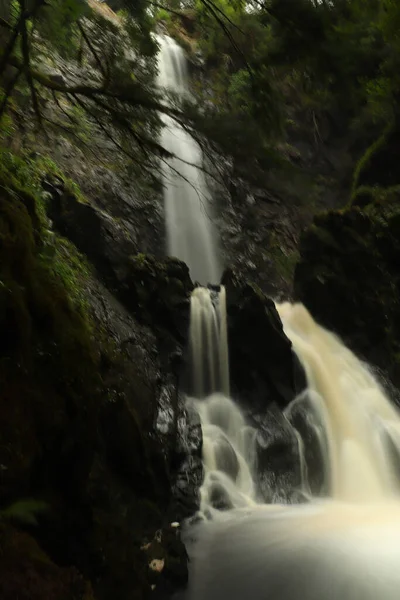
[[345, 545], [228, 443]]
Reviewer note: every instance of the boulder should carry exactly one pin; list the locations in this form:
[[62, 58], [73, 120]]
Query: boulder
[[262, 365]]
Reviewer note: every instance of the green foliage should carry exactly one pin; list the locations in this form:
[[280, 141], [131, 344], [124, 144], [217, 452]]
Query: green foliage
[[366, 194], [56, 23], [163, 15], [268, 66], [27, 171], [24, 511], [62, 260]]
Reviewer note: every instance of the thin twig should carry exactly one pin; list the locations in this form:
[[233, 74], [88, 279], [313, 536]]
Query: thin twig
[[71, 133], [167, 9], [92, 49]]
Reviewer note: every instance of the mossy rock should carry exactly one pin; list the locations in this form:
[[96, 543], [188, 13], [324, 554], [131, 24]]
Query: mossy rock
[[352, 285], [72, 431], [48, 360]]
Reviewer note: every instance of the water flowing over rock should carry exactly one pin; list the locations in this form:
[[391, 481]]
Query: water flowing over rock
[[331, 546], [208, 343], [188, 211]]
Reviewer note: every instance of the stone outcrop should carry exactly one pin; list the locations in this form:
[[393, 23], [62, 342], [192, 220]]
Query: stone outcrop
[[91, 422], [349, 278]]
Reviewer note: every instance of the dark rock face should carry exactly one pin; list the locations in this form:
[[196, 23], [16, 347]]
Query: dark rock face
[[155, 291], [158, 292], [101, 238], [188, 463], [263, 366], [134, 202], [349, 278], [265, 378], [278, 458], [262, 213], [91, 421]]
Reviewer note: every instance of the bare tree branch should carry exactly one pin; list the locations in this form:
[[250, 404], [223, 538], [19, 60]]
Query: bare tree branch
[[27, 66], [92, 49]]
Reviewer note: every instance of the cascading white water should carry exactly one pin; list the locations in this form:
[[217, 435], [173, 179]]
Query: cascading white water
[[342, 547], [228, 442], [360, 422], [188, 211], [345, 546], [209, 342]]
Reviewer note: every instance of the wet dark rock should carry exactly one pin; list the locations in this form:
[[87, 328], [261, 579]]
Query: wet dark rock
[[167, 561], [178, 427], [95, 233], [278, 457], [156, 291], [84, 387], [219, 498], [265, 377], [263, 367]]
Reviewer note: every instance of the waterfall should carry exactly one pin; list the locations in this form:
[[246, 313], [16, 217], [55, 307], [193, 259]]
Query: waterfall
[[360, 422], [345, 546], [228, 442], [208, 342], [188, 211]]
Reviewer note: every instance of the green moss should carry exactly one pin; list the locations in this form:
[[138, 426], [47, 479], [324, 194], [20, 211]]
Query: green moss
[[63, 261], [43, 310], [24, 173], [366, 158], [24, 511], [140, 261], [366, 194]]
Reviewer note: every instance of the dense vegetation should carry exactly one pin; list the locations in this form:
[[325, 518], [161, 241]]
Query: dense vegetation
[[265, 60]]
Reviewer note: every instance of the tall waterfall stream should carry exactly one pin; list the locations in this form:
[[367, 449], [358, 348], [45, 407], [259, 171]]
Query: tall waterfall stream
[[188, 210], [344, 546]]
